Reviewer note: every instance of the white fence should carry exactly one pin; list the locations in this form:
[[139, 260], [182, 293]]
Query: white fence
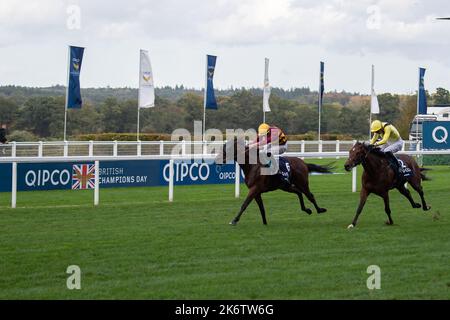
[[152, 148], [97, 159]]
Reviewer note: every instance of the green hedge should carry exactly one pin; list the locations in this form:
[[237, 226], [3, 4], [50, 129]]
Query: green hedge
[[167, 137], [436, 160], [122, 137]]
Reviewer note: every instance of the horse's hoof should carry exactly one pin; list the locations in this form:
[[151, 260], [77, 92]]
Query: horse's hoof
[[308, 211], [417, 205], [426, 208], [389, 223], [350, 226], [233, 222], [321, 210]]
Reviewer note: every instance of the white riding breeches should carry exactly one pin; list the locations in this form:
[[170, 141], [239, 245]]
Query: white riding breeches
[[392, 146], [275, 149]]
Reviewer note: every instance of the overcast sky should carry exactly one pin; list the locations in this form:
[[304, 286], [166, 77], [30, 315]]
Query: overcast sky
[[397, 36]]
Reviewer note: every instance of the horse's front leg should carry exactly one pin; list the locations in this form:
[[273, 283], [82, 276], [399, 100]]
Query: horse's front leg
[[250, 196], [260, 203], [387, 208], [362, 201]]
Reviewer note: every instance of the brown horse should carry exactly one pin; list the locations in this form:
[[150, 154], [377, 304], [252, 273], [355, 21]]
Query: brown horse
[[258, 183], [378, 178]]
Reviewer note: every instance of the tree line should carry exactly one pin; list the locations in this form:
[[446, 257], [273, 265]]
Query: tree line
[[38, 113]]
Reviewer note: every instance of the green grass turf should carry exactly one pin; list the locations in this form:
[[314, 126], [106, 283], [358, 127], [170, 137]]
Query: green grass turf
[[138, 245]]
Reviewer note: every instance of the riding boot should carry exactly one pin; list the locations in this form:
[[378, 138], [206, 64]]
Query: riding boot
[[393, 162]]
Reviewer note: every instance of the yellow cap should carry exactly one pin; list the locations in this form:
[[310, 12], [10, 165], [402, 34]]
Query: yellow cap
[[376, 125], [263, 128]]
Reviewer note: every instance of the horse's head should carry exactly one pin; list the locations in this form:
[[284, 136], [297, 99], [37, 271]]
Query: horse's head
[[230, 151], [356, 155]]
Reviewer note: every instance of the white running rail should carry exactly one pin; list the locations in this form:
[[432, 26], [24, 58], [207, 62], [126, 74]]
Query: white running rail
[[15, 160]]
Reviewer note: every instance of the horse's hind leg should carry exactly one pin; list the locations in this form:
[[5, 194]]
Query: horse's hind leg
[[302, 203], [311, 198], [260, 203], [250, 196], [387, 208], [418, 187], [408, 196], [297, 191]]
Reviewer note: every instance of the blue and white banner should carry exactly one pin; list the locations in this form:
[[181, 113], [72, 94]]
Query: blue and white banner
[[322, 85], [121, 173], [436, 135], [422, 96], [73, 95], [210, 98]]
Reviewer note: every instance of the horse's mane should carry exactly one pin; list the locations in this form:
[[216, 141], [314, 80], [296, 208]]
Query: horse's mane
[[373, 150]]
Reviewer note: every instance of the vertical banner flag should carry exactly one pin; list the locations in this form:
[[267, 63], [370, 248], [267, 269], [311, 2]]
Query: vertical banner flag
[[73, 94], [146, 86], [210, 98], [322, 86], [374, 106], [422, 97], [266, 92]]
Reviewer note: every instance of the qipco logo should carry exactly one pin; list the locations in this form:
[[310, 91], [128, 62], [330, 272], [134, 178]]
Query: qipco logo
[[42, 178], [183, 171]]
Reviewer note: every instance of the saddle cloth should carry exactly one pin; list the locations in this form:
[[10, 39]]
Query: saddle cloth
[[403, 169], [284, 169]]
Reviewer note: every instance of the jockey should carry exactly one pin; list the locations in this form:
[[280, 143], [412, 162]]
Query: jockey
[[267, 135], [272, 141], [390, 143]]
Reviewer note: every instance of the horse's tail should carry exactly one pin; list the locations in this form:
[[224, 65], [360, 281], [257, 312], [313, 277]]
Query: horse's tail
[[321, 169], [423, 176]]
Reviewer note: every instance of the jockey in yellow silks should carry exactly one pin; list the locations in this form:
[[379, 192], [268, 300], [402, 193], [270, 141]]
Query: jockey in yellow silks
[[388, 139], [386, 136]]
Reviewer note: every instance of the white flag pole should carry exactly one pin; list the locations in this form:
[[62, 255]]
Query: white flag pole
[[67, 92], [266, 89], [371, 97], [139, 96], [417, 112]]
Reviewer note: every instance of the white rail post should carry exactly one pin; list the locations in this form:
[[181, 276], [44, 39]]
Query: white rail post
[[40, 147], [91, 148], [97, 183], [14, 185], [171, 174], [354, 176], [237, 180], [302, 147], [161, 147], [320, 147], [13, 149], [338, 147], [115, 148], [183, 147], [66, 148], [203, 147], [139, 148]]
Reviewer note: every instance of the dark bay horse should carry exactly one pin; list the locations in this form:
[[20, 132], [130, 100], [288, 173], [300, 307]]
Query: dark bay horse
[[378, 178], [258, 183]]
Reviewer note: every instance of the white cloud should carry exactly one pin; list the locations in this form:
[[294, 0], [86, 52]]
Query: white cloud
[[179, 33]]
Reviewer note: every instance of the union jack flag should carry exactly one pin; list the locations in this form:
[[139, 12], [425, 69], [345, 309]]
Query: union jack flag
[[83, 176]]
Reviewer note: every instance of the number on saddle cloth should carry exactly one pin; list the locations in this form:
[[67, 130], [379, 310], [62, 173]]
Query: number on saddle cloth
[[403, 169], [284, 169]]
